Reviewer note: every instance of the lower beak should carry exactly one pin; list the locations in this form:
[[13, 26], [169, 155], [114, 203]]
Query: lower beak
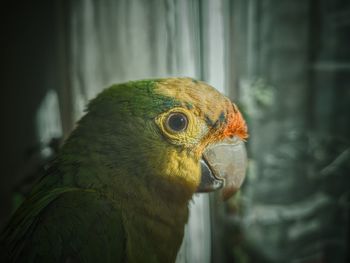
[[223, 166]]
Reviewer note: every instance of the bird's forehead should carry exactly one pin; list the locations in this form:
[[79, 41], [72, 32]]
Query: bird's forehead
[[197, 95]]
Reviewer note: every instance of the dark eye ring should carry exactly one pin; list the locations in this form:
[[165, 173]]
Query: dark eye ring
[[177, 122]]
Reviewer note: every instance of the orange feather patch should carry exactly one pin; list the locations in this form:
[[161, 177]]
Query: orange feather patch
[[236, 125]]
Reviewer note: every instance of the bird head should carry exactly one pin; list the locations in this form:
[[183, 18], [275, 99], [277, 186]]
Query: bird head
[[177, 135]]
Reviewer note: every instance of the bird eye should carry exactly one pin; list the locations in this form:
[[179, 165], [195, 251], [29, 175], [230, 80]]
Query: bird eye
[[177, 122]]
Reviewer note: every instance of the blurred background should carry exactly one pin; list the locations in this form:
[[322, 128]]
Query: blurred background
[[285, 63]]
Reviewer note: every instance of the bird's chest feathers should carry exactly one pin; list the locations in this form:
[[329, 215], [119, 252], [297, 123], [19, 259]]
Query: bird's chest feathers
[[154, 232]]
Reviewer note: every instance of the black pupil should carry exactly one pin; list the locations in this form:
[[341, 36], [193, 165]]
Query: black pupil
[[177, 122]]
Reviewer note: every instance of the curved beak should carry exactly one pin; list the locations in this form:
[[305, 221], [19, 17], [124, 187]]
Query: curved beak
[[223, 166]]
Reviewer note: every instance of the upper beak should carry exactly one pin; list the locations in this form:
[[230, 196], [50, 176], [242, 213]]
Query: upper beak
[[223, 165]]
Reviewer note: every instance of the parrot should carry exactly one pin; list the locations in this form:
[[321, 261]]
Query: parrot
[[120, 187]]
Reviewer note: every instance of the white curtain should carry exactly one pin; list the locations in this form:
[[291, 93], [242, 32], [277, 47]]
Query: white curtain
[[289, 63]]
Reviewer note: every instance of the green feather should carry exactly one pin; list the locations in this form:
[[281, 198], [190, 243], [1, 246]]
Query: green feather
[[93, 204], [77, 226]]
